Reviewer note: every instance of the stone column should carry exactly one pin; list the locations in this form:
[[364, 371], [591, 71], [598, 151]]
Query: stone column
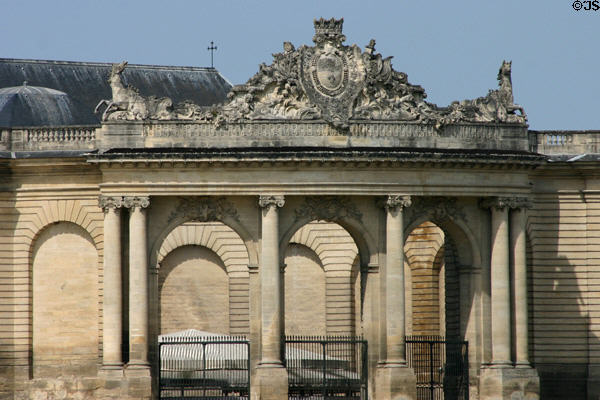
[[138, 282], [112, 312], [394, 378], [518, 222], [271, 374], [500, 276], [394, 278], [500, 380]]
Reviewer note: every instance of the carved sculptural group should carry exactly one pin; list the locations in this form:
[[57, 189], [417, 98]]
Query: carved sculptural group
[[328, 81]]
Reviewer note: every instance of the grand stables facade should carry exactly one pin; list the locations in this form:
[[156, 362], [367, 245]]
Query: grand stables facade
[[320, 231]]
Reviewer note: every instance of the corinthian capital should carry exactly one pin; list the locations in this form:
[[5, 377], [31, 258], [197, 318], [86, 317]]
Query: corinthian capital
[[396, 202], [496, 202], [268, 201], [519, 203], [108, 202], [136, 201]]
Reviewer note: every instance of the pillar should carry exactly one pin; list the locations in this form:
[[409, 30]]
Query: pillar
[[394, 378], [271, 373], [519, 262], [500, 276], [501, 380], [112, 291], [394, 278], [138, 282]]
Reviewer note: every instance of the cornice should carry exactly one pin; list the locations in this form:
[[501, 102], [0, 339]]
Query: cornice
[[355, 157]]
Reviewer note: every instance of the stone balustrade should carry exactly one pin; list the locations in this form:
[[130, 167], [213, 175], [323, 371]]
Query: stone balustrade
[[48, 138]]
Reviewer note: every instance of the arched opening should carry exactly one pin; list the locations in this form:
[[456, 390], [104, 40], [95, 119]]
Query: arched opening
[[433, 286], [193, 291], [322, 282], [64, 264], [201, 247]]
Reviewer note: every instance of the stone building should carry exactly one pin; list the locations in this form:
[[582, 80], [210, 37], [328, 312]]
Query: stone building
[[324, 197]]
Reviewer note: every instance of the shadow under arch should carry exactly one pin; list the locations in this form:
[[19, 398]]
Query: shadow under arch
[[467, 260], [467, 247], [228, 221], [367, 247]]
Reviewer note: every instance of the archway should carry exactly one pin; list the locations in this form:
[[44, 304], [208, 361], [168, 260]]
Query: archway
[[322, 281], [433, 289], [65, 335], [193, 291], [223, 247]]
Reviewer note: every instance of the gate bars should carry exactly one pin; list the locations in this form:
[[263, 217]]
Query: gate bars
[[441, 367], [326, 367], [204, 367]]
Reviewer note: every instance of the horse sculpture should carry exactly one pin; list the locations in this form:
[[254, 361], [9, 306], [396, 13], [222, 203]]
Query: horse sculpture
[[497, 106], [504, 99], [128, 104]]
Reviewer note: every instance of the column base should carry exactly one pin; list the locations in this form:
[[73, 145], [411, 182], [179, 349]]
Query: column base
[[111, 371], [271, 383], [509, 383], [137, 370], [395, 382]]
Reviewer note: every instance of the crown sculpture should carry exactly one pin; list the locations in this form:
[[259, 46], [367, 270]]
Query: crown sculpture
[[328, 81]]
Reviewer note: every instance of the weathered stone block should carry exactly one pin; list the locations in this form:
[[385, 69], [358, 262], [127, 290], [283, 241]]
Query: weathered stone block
[[395, 383], [509, 383], [272, 383]]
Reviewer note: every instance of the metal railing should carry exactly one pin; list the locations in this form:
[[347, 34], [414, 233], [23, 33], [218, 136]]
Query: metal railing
[[326, 367], [441, 367], [204, 367]]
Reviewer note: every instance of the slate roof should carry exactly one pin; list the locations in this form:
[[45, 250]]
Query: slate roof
[[34, 106], [85, 84]]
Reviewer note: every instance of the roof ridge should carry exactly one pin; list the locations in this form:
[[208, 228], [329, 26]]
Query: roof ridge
[[106, 64]]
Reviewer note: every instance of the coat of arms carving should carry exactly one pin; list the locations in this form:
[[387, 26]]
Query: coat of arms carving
[[332, 75]]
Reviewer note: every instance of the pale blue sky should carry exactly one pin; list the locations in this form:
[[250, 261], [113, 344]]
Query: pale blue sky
[[451, 48]]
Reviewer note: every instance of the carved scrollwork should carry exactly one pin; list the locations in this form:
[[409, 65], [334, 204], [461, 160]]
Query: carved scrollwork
[[268, 201], [512, 203], [110, 202], [136, 201], [329, 81], [437, 209], [327, 208], [204, 209]]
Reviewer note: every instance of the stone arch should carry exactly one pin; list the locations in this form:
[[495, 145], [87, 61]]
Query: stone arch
[[37, 216], [331, 242], [232, 251], [64, 316], [194, 292], [86, 214], [337, 252], [232, 223], [467, 246], [216, 236], [366, 245], [467, 256]]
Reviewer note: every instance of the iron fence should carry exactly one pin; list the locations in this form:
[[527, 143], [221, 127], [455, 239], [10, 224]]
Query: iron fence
[[204, 368], [326, 367], [441, 367]]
